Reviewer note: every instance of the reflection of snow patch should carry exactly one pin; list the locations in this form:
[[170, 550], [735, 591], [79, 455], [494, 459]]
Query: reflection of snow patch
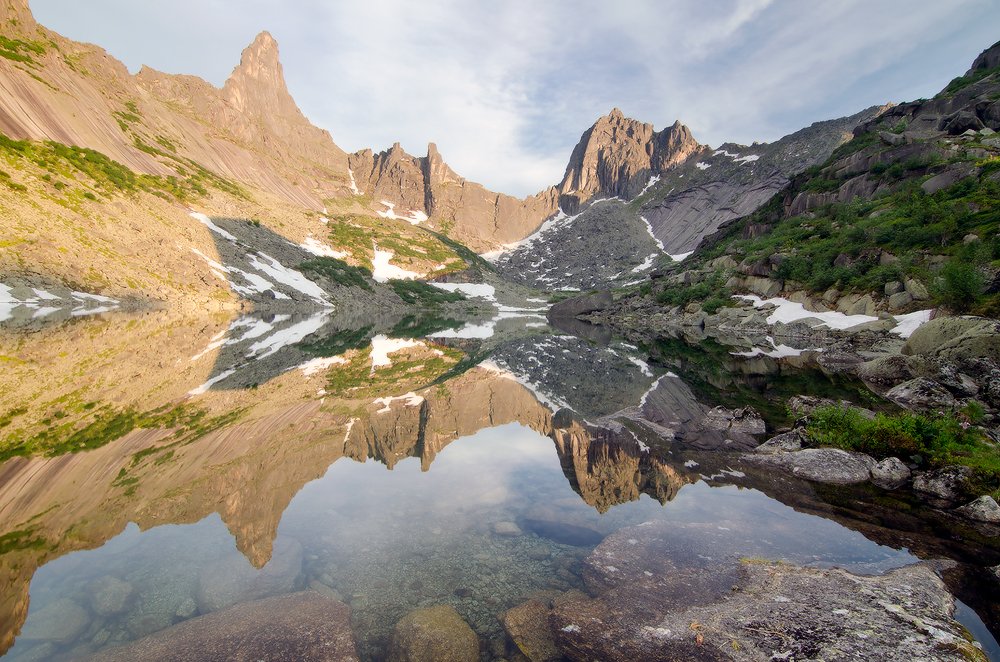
[[410, 399], [776, 352], [310, 368], [289, 336], [383, 346], [207, 385], [477, 290]]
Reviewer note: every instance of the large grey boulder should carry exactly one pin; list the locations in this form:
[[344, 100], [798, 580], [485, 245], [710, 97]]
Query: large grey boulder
[[782, 443], [921, 394], [822, 465], [953, 338], [983, 509], [890, 473], [306, 627], [581, 305]]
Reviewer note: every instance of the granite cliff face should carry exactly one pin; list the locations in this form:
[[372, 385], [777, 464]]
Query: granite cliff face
[[617, 156]]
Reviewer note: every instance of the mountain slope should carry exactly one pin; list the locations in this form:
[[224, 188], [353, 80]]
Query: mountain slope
[[678, 191]]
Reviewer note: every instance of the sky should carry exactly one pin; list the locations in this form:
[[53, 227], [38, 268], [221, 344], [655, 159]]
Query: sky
[[506, 87]]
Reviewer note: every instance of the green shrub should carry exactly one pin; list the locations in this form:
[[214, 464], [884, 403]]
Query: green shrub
[[961, 285], [420, 293], [338, 271], [929, 441]]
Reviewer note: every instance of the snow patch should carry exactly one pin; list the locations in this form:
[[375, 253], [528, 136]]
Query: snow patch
[[410, 399], [383, 271], [788, 311], [354, 185], [680, 257], [651, 182], [701, 165], [317, 247], [414, 217], [198, 216], [908, 323], [310, 368], [646, 264], [475, 290]]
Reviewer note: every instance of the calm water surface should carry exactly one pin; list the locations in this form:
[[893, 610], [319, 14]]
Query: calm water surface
[[389, 473]]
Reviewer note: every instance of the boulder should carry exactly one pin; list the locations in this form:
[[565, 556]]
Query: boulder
[[890, 473], [916, 289], [60, 621], [528, 627], [305, 626], [983, 509], [782, 443], [948, 485], [109, 595], [893, 287], [921, 394], [900, 300], [822, 465], [433, 634], [668, 591], [949, 177], [581, 305], [956, 338], [745, 420]]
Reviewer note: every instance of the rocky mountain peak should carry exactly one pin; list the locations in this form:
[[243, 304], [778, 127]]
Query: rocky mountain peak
[[258, 82], [988, 59], [618, 155]]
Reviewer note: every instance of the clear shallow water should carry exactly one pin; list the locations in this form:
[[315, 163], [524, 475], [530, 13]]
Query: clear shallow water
[[388, 542], [386, 471]]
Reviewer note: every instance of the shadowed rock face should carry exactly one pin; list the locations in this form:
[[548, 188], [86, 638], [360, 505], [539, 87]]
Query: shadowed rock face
[[302, 626]]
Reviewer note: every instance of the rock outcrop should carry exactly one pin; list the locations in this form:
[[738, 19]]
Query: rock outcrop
[[617, 156], [304, 626]]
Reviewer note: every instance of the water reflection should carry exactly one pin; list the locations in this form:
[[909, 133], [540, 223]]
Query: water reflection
[[228, 460]]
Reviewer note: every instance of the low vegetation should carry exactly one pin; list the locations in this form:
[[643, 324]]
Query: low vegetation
[[338, 272], [61, 433], [413, 247], [926, 440], [90, 168], [419, 293]]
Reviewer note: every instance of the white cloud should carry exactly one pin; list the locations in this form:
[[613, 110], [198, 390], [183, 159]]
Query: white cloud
[[506, 88]]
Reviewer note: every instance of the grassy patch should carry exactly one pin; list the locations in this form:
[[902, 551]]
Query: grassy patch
[[338, 271], [20, 51], [962, 82], [62, 434]]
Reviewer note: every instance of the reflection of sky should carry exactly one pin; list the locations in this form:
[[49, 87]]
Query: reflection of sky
[[367, 519]]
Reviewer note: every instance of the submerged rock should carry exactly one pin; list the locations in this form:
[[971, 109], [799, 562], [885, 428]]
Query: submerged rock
[[433, 634], [305, 626], [528, 627], [983, 509], [948, 485], [232, 579], [657, 600], [823, 465], [890, 473], [109, 595], [506, 529], [563, 532], [61, 621]]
